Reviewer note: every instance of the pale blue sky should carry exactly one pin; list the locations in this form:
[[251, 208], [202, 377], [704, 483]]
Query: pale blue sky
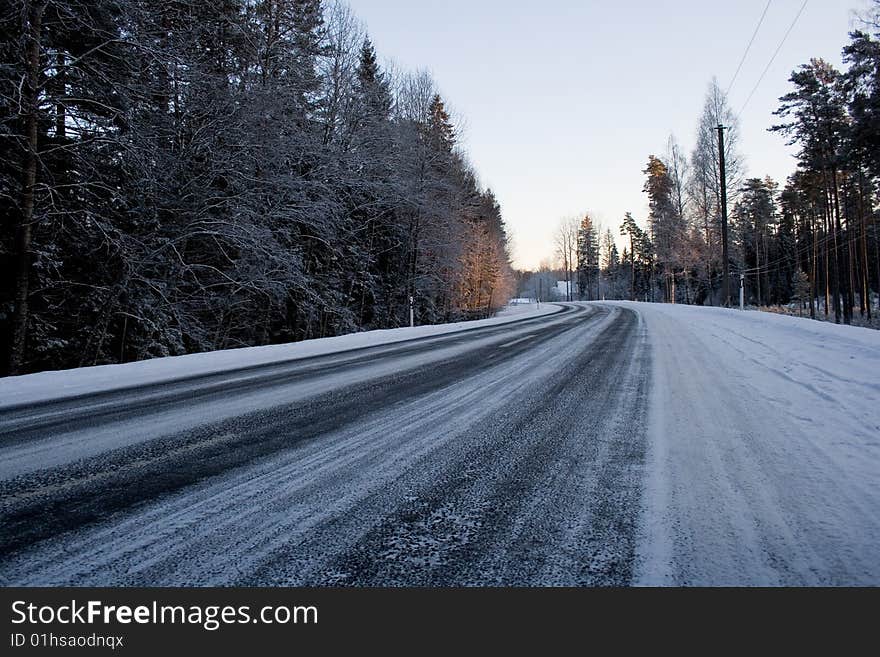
[[564, 100]]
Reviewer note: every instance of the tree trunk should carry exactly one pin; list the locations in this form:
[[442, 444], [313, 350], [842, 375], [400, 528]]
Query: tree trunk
[[30, 100], [865, 284], [758, 261], [814, 270], [632, 263], [60, 91], [830, 247], [837, 290]]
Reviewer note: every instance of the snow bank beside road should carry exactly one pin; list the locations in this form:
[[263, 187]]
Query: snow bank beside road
[[43, 386], [764, 450]]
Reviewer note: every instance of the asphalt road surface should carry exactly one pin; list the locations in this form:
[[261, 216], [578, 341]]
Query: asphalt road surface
[[605, 444], [508, 455]]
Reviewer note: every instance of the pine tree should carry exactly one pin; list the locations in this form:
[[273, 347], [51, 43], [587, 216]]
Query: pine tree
[[372, 87], [588, 259], [862, 86], [640, 256], [441, 133], [64, 91], [755, 219], [817, 122], [667, 227], [611, 264]]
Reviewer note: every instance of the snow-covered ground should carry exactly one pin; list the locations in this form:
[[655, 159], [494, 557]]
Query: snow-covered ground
[[43, 386], [764, 450]]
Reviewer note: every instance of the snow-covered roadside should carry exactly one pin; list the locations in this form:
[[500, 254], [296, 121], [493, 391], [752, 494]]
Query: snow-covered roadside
[[764, 450], [44, 386]]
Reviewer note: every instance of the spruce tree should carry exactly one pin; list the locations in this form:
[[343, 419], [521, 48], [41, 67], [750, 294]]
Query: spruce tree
[[441, 133]]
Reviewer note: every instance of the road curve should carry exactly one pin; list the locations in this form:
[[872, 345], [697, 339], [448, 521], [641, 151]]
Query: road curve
[[608, 444], [506, 457]]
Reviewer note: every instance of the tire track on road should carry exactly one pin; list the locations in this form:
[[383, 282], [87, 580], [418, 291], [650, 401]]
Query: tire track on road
[[46, 503], [547, 495]]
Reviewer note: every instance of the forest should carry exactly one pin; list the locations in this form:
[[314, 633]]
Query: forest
[[811, 246], [185, 176]]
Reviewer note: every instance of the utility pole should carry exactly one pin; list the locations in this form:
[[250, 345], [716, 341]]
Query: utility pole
[[725, 261], [412, 317], [742, 292]]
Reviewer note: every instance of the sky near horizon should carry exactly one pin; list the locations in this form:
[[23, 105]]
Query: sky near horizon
[[564, 100]]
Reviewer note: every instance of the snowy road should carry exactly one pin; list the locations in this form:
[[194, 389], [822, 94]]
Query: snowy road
[[608, 444]]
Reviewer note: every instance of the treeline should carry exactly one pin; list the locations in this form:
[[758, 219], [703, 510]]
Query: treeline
[[186, 176], [814, 243]]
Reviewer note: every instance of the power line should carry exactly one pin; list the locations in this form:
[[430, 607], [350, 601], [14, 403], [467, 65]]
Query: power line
[[748, 48], [803, 250], [773, 58], [798, 251]]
